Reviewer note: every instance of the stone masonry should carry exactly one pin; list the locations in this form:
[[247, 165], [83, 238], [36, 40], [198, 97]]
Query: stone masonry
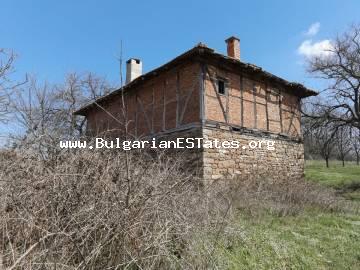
[[286, 161]]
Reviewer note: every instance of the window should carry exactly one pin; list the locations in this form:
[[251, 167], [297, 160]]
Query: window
[[221, 87], [254, 88]]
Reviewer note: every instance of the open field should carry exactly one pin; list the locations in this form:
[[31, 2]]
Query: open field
[[344, 179], [311, 240]]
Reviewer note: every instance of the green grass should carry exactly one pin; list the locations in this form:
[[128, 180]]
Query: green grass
[[335, 175], [346, 179], [311, 240]]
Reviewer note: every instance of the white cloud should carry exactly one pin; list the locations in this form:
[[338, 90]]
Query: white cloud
[[309, 49], [313, 29]]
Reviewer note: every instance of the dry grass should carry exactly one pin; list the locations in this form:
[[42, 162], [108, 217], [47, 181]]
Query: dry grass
[[105, 210], [86, 211], [284, 197]]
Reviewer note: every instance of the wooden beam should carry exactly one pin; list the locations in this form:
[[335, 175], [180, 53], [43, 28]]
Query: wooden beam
[[254, 100], [242, 99], [266, 107], [202, 93], [152, 109], [136, 115], [188, 97], [217, 94], [227, 93], [291, 122], [280, 112], [164, 106], [148, 122], [177, 99]]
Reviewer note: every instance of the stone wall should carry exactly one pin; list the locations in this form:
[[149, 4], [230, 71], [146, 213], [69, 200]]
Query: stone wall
[[286, 162]]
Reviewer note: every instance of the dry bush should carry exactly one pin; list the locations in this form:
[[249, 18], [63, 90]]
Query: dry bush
[[86, 211], [286, 197], [108, 210]]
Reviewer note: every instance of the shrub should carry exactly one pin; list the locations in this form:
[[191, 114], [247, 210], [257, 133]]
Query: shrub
[[111, 210], [97, 210]]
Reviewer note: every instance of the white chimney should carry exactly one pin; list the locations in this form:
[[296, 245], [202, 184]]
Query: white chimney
[[133, 69]]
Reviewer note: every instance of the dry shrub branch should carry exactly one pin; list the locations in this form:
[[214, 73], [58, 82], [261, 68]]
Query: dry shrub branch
[[82, 212], [99, 210]]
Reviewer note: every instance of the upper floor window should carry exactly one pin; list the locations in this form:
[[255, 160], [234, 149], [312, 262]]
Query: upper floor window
[[221, 87], [254, 88]]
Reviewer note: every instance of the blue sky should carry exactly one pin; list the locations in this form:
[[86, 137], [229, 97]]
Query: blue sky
[[52, 38]]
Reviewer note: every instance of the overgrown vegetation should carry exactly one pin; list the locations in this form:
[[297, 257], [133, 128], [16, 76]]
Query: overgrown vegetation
[[315, 236], [89, 210]]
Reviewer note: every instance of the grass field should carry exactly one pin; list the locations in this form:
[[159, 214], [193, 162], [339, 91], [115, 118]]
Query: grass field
[[345, 179], [311, 239]]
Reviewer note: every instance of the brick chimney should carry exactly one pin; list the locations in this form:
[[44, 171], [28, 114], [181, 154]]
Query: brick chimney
[[133, 69], [233, 47]]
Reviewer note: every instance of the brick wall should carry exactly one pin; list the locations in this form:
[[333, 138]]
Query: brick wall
[[166, 102], [251, 103]]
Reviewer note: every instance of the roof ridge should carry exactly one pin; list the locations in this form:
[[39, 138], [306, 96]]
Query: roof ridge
[[199, 48]]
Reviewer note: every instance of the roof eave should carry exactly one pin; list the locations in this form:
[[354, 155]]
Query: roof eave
[[202, 50]]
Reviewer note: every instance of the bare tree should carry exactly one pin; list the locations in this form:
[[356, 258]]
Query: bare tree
[[309, 127], [355, 141], [323, 136], [33, 112], [343, 143], [77, 90], [341, 67], [319, 133], [45, 112], [7, 59]]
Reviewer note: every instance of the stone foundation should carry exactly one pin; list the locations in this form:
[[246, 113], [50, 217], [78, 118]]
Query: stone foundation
[[285, 162]]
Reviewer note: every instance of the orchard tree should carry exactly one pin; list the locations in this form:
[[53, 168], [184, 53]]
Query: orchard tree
[[343, 143], [355, 140], [45, 111], [7, 59], [340, 66]]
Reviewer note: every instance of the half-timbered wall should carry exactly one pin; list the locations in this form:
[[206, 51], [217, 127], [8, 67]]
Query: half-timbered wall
[[250, 103], [167, 102]]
